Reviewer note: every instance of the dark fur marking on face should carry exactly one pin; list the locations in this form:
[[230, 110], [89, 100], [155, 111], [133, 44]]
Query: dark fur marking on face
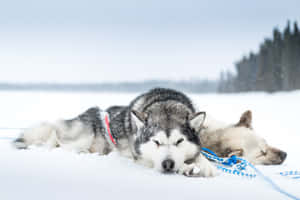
[[190, 134], [145, 135]]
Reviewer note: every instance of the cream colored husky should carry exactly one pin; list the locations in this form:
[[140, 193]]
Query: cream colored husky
[[239, 139]]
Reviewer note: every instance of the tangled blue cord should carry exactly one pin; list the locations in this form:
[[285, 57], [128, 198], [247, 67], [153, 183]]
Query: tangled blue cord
[[240, 164]]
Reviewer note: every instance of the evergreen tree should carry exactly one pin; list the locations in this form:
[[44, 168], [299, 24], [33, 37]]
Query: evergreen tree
[[275, 67], [296, 51]]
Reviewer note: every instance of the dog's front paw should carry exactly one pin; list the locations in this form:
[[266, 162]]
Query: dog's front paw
[[190, 170], [207, 169]]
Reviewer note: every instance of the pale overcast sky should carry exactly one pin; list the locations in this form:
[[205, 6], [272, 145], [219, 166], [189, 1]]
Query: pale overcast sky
[[131, 40]]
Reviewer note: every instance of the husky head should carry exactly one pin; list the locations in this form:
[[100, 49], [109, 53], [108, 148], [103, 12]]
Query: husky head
[[240, 139], [166, 140]]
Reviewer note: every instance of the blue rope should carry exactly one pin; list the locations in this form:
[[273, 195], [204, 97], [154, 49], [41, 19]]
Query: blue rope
[[274, 185], [209, 151], [245, 163], [231, 161], [291, 174]]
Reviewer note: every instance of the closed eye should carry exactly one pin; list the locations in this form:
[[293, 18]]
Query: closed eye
[[179, 141], [264, 153], [156, 142]]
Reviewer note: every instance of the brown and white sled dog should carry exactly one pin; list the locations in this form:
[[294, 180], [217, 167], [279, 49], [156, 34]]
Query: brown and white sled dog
[[157, 129], [239, 139]]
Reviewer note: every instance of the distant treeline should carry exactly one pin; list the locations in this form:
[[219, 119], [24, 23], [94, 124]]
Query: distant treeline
[[276, 67], [196, 86]]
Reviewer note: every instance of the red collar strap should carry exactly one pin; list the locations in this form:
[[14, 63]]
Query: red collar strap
[[105, 121]]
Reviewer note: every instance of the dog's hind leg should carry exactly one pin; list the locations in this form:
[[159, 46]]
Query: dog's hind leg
[[52, 140], [79, 144], [100, 145]]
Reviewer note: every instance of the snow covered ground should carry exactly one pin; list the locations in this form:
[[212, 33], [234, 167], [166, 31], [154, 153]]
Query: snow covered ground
[[41, 174]]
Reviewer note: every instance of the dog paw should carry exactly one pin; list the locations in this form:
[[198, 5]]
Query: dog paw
[[194, 172], [207, 169], [190, 170]]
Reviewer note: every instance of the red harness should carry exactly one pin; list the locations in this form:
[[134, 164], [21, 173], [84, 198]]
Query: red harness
[[107, 128]]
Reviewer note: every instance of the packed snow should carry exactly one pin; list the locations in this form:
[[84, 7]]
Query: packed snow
[[39, 173]]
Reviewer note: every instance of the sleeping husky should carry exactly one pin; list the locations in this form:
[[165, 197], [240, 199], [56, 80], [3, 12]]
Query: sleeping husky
[[239, 139], [157, 130]]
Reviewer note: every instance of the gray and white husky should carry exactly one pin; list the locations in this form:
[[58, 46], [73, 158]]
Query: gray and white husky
[[157, 130]]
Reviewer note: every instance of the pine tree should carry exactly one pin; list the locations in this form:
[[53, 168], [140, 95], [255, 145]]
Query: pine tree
[[275, 67], [286, 53], [296, 51], [276, 60]]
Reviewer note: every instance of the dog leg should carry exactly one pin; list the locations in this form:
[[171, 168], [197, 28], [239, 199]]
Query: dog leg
[[189, 170], [207, 169], [100, 146], [201, 167], [79, 145], [51, 142]]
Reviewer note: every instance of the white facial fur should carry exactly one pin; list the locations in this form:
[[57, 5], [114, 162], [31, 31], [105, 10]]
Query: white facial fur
[[167, 149]]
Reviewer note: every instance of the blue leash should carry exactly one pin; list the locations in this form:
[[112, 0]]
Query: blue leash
[[291, 174], [229, 165], [240, 164]]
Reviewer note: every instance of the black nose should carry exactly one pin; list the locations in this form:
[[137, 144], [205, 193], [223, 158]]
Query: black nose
[[168, 165], [282, 155]]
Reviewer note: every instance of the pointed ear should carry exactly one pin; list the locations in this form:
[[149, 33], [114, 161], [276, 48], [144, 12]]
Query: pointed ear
[[196, 120], [139, 119], [246, 119]]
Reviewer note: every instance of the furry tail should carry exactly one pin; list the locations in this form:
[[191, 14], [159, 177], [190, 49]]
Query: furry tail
[[41, 134], [20, 143]]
